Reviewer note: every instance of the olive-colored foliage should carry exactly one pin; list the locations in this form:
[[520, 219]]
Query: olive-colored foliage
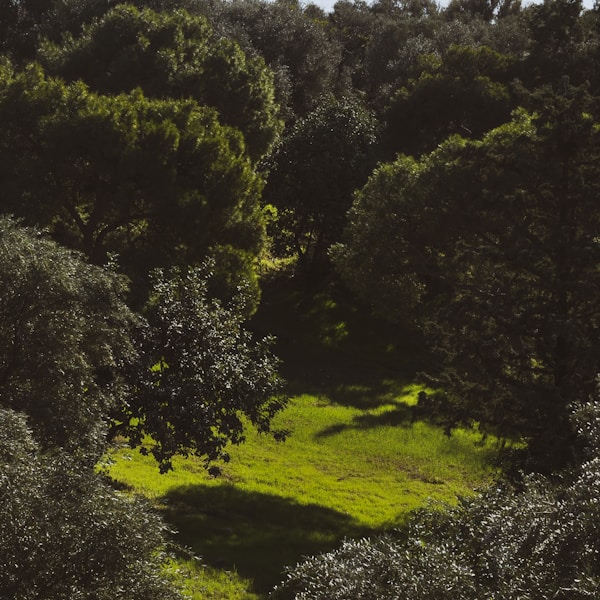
[[314, 172], [84, 368], [205, 377], [64, 533], [65, 342], [557, 37], [486, 10], [23, 22], [492, 246], [538, 541], [464, 92], [172, 55], [158, 182], [304, 59]]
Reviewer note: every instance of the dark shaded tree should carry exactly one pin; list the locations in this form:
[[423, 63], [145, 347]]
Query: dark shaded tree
[[66, 342], [158, 182], [65, 533], [492, 246], [465, 91], [314, 172]]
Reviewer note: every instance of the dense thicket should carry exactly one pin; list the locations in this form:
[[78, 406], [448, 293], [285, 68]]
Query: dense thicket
[[494, 253], [169, 134], [65, 533]]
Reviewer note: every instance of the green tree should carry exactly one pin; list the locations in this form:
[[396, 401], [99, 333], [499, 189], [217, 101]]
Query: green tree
[[464, 92], [66, 342], [557, 36], [492, 247], [65, 533], [314, 172], [81, 365], [297, 48], [205, 378], [172, 55], [158, 182]]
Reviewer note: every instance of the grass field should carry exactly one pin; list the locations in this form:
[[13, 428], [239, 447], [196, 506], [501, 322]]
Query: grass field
[[356, 461]]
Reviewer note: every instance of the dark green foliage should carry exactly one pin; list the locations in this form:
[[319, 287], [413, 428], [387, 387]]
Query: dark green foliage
[[205, 378], [314, 171], [492, 247], [463, 92], [65, 334], [540, 541], [158, 182], [76, 360], [172, 55], [303, 57], [64, 533], [24, 22]]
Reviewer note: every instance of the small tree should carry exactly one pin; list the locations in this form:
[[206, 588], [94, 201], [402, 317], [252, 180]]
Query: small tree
[[204, 377], [314, 172], [76, 360]]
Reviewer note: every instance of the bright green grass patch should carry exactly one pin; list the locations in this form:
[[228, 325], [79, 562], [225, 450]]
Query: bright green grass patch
[[356, 461], [343, 472]]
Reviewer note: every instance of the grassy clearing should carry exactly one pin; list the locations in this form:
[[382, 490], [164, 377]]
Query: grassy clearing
[[356, 461], [343, 472]]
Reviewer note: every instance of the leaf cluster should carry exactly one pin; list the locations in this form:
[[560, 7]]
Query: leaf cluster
[[65, 533]]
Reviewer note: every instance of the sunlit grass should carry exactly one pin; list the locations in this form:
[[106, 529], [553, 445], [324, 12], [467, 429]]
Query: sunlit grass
[[356, 462], [344, 471]]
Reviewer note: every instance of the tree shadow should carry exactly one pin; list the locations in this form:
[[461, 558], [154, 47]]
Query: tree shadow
[[253, 533], [329, 345], [402, 415]]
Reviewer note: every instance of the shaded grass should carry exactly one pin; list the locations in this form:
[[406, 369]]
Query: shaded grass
[[357, 461]]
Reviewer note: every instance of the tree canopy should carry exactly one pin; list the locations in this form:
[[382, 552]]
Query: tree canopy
[[162, 183], [186, 372], [66, 533], [494, 253], [171, 55]]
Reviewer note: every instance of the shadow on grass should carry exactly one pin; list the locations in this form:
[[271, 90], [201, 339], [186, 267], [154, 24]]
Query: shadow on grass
[[255, 534], [331, 346], [400, 416]]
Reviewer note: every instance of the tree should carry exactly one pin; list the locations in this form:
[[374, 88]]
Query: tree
[[66, 342], [84, 368], [296, 47], [492, 247], [557, 35], [464, 92], [314, 172], [205, 378], [158, 182], [65, 533], [172, 55]]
